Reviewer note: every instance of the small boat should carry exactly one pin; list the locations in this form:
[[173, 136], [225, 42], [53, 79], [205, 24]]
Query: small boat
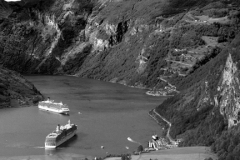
[[50, 105], [60, 135]]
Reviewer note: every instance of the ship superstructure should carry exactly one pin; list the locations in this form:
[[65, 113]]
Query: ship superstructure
[[50, 105], [60, 135]]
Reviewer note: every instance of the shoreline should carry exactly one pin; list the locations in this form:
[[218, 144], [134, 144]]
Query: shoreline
[[149, 92], [179, 153], [204, 151], [169, 127], [166, 121]]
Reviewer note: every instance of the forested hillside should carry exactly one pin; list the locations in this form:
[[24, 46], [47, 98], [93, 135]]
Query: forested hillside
[[16, 91], [150, 44], [207, 109]]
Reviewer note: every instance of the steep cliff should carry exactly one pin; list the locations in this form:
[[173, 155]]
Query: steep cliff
[[16, 91], [228, 97], [208, 103], [147, 44]]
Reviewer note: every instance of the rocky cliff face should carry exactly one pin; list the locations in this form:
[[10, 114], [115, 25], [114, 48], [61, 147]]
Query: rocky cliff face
[[210, 104], [145, 44], [228, 98], [16, 91]]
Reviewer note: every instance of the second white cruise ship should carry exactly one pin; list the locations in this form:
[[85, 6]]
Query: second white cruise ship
[[50, 105]]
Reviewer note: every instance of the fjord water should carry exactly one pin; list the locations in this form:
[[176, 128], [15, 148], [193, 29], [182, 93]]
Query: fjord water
[[106, 115]]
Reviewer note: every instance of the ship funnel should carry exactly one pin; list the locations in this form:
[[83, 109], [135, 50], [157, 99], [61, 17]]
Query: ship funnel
[[69, 122], [48, 98]]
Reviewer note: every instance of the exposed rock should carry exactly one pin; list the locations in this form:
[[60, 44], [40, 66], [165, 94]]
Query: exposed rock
[[132, 41], [229, 92]]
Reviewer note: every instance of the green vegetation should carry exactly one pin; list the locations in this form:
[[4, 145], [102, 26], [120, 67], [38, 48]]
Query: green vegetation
[[16, 91], [140, 148], [181, 109], [198, 122], [227, 145]]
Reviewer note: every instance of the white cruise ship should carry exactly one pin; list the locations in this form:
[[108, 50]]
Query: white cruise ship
[[50, 105], [60, 135]]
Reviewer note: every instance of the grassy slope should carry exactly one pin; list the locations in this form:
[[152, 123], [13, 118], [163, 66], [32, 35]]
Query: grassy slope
[[146, 11], [200, 127]]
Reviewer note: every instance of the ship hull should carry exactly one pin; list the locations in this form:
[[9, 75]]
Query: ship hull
[[53, 110], [61, 141]]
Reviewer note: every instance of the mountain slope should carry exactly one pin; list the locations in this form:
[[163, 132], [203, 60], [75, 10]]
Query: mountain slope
[[137, 43], [16, 91], [209, 105]]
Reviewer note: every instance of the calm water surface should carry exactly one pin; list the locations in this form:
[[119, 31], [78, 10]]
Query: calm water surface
[[106, 114]]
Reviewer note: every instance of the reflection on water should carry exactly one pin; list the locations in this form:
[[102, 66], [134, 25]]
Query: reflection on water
[[63, 146], [50, 113], [51, 152]]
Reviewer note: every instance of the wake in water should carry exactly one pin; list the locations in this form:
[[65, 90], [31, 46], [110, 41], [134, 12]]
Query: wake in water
[[37, 147], [131, 140], [23, 145]]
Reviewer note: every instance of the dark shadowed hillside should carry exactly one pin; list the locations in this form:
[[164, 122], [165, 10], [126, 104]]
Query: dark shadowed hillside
[[16, 91], [5, 10]]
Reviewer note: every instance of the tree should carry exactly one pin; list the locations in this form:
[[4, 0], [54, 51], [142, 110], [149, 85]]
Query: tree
[[140, 149]]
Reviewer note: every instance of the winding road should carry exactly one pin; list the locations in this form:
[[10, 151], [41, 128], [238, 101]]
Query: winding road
[[168, 132]]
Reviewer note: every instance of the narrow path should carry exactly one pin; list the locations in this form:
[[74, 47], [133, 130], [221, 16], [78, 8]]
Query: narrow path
[[169, 124]]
